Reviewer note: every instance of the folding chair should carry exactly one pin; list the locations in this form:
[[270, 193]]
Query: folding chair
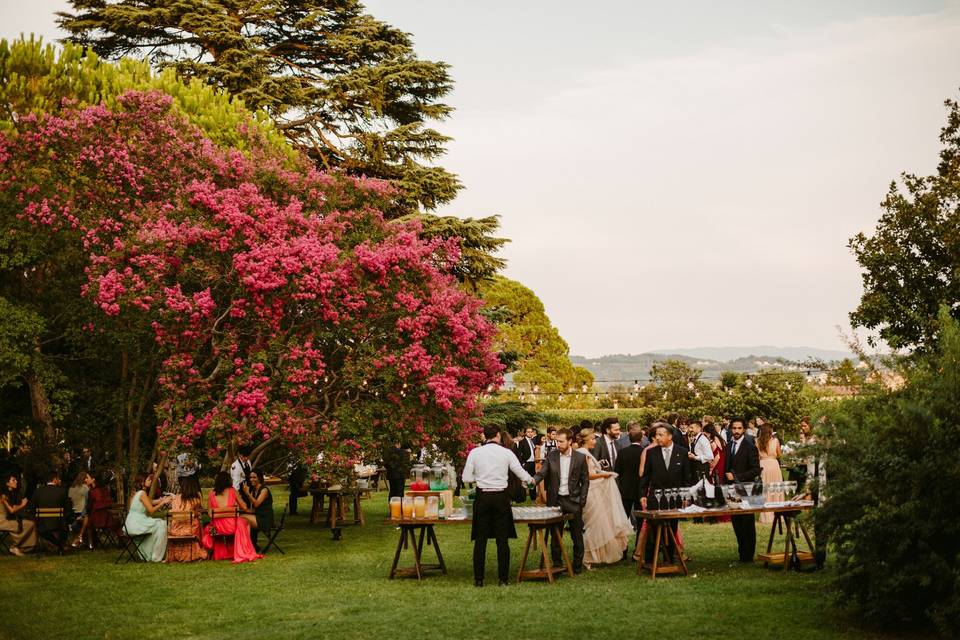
[[274, 532], [223, 513], [52, 526], [130, 546], [112, 534], [182, 517]]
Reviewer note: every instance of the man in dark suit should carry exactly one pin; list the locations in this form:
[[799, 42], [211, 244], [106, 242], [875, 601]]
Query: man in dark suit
[[628, 470], [53, 496], [526, 448], [609, 443], [743, 465], [667, 467], [566, 481]]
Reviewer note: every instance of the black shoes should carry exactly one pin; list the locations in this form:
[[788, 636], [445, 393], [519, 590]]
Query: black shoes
[[502, 583], [478, 583]]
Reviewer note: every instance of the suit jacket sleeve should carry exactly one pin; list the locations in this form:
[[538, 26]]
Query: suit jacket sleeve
[[754, 470], [544, 470], [618, 466], [644, 477], [584, 480]]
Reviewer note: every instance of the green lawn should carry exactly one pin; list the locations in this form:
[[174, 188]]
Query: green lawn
[[322, 588]]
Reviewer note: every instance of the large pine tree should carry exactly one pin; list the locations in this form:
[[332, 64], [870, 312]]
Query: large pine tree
[[343, 86]]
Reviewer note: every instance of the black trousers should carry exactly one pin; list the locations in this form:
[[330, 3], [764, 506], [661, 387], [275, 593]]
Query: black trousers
[[396, 487], [746, 530], [629, 505], [492, 518], [295, 492], [531, 468], [572, 507]]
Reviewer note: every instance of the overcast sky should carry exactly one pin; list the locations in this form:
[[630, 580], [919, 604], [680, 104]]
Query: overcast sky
[[679, 174]]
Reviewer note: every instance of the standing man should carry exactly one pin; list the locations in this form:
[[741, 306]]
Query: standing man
[[240, 469], [566, 481], [397, 463], [608, 445], [701, 453], [628, 470], [526, 452], [549, 441], [743, 465], [490, 466], [667, 467]]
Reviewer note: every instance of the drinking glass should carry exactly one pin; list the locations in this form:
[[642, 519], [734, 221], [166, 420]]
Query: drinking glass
[[659, 495]]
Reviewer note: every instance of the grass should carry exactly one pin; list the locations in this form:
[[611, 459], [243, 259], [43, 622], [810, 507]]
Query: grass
[[322, 588]]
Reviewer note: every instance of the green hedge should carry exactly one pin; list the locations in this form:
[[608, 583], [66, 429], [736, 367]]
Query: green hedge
[[572, 417]]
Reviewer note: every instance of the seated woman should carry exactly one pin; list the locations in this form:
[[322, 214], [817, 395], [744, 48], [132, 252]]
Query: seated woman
[[78, 501], [223, 496], [99, 501], [139, 521], [23, 534], [260, 501], [187, 501]]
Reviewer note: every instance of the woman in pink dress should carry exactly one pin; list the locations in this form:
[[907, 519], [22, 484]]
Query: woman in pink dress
[[241, 549], [769, 447]]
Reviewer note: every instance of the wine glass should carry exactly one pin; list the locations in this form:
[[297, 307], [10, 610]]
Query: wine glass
[[670, 493], [659, 495]]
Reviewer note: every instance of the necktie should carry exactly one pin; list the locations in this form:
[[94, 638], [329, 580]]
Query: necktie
[[612, 445], [736, 444], [666, 458]]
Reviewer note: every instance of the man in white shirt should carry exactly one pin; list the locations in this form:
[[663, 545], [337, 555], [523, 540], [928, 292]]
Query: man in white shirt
[[566, 481], [490, 466], [701, 453], [240, 469]]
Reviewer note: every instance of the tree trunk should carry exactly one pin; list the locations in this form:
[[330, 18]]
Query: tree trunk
[[40, 406]]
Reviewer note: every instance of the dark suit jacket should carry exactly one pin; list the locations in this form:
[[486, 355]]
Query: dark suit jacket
[[50, 497], [602, 452], [745, 466], [523, 450], [657, 476], [628, 468], [578, 484]]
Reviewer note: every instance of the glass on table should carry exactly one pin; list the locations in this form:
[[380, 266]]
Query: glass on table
[[658, 493], [396, 507], [419, 507], [407, 508]]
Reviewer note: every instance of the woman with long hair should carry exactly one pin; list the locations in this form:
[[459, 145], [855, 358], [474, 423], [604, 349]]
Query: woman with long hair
[[77, 493], [260, 502], [719, 462], [223, 496], [140, 520], [185, 510], [606, 528], [768, 446], [23, 533]]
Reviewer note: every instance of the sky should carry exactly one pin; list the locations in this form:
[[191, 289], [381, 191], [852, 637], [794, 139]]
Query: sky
[[679, 174]]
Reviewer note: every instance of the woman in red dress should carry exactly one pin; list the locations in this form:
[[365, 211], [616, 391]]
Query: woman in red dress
[[241, 549], [719, 462]]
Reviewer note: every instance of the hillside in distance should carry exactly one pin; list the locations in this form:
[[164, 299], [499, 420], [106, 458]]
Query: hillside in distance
[[623, 369]]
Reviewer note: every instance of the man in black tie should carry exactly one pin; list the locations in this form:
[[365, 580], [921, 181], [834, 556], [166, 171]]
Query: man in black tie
[[667, 467], [608, 444], [53, 495], [526, 452], [566, 480], [743, 465]]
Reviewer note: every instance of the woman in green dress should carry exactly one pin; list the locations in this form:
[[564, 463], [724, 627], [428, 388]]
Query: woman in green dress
[[139, 521]]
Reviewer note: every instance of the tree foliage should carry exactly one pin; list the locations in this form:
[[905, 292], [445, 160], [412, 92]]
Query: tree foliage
[[343, 86], [280, 304], [542, 356], [890, 512], [911, 263]]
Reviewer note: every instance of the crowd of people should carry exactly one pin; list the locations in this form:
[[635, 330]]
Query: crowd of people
[[239, 507], [599, 475]]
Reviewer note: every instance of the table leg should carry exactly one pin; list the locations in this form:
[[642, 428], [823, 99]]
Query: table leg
[[401, 544], [416, 551], [557, 531], [432, 536], [676, 544], [786, 545], [773, 530], [806, 536], [357, 511], [526, 552], [333, 510], [545, 553], [317, 508], [656, 550]]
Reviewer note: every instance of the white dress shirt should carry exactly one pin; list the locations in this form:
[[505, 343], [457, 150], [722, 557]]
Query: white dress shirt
[[238, 474], [612, 448], [702, 450], [490, 467], [565, 460], [533, 450]]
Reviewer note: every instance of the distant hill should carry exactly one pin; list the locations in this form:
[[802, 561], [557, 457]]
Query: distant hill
[[725, 354], [623, 369]]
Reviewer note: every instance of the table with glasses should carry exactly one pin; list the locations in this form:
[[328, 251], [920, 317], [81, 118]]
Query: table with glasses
[[543, 524], [742, 499]]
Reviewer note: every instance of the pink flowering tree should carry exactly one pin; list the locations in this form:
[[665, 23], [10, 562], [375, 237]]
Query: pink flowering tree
[[279, 303]]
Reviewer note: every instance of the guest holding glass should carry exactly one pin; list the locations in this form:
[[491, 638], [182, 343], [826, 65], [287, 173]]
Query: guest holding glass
[[140, 520], [606, 528]]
